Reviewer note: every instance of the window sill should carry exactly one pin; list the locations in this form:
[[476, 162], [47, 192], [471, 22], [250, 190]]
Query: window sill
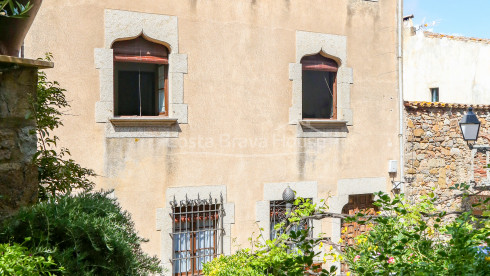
[[322, 123], [138, 121]]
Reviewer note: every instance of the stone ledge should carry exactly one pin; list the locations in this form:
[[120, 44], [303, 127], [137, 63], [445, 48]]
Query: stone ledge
[[143, 121], [322, 123], [41, 64]]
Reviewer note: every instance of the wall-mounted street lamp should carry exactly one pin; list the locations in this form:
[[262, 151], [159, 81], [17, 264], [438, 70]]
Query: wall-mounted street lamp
[[470, 127], [288, 196]]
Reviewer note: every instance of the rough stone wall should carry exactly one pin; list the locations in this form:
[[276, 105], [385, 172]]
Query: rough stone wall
[[18, 176], [437, 157]]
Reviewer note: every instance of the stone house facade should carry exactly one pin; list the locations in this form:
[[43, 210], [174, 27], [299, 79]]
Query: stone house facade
[[233, 113], [444, 75], [436, 155]]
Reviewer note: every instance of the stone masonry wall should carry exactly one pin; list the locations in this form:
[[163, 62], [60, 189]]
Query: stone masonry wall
[[436, 155], [18, 176]]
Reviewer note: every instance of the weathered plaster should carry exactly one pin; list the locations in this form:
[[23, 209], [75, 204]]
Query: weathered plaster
[[238, 94], [458, 68], [332, 46], [164, 221], [159, 28]]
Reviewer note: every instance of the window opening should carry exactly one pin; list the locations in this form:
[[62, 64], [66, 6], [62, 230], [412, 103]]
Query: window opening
[[197, 234], [319, 87], [350, 230], [434, 94], [141, 78], [278, 214]]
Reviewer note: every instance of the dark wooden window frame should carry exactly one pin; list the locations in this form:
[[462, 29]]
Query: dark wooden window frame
[[320, 63], [196, 212], [126, 51]]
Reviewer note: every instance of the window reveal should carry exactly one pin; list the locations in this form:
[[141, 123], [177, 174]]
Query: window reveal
[[197, 234], [319, 87], [140, 73]]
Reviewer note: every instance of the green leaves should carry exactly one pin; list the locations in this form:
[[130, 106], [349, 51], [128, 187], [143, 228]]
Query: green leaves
[[416, 239], [16, 259], [14, 9], [88, 234]]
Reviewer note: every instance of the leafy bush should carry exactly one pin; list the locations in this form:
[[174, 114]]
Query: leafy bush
[[88, 234], [290, 254], [416, 239], [57, 174], [16, 259], [406, 239]]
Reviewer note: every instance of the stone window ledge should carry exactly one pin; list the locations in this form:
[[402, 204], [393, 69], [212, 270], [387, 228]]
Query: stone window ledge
[[138, 121], [323, 123]]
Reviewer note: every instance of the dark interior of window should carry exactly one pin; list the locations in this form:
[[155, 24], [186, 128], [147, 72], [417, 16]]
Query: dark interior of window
[[140, 78], [136, 89], [319, 87], [434, 94], [318, 98]]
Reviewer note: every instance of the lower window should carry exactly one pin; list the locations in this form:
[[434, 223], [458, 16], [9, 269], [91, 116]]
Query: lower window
[[350, 230], [278, 214], [197, 234]]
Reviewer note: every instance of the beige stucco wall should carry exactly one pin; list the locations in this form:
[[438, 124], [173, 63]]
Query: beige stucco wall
[[459, 68], [238, 94]]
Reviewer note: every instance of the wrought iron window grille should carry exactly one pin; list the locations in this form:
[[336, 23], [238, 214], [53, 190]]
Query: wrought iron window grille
[[197, 233], [278, 214]]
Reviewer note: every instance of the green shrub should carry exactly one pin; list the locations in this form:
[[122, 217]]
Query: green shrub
[[416, 239], [16, 259], [88, 234]]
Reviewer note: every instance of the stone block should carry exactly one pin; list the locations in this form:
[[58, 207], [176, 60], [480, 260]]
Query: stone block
[[104, 58], [410, 123], [418, 132], [295, 71], [178, 63], [123, 24], [179, 111], [103, 111], [176, 88]]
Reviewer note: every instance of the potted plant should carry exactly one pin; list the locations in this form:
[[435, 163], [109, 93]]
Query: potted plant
[[16, 17]]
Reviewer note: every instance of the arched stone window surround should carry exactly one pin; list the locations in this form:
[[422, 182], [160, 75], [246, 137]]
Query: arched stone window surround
[[333, 47], [163, 29]]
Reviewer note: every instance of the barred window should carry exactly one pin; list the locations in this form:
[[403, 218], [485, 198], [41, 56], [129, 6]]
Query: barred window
[[278, 214], [197, 234]]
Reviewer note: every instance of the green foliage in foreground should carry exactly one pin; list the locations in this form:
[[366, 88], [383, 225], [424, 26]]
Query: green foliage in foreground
[[275, 257], [406, 239], [87, 234], [16, 259], [58, 175], [416, 239]]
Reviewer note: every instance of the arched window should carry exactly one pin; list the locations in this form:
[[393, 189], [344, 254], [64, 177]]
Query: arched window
[[140, 78], [319, 87]]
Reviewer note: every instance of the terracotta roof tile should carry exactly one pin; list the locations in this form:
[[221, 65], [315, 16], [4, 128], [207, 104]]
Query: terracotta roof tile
[[419, 104], [459, 38]]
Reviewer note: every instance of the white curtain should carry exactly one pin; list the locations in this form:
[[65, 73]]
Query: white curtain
[[182, 253], [204, 247]]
